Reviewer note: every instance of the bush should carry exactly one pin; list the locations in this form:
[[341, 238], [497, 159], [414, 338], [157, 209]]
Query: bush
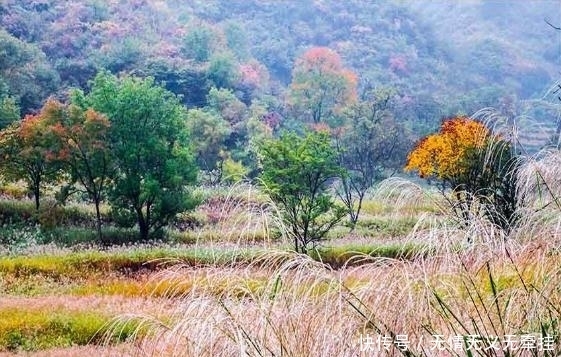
[[17, 238], [13, 212], [17, 190]]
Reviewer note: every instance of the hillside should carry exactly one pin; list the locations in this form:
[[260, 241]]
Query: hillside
[[464, 51]]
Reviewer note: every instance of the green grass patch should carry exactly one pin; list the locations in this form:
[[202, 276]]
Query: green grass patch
[[354, 254], [86, 264], [387, 227], [32, 330]]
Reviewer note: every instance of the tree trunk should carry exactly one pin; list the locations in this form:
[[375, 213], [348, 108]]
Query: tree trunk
[[36, 194], [98, 217], [142, 224], [354, 214]]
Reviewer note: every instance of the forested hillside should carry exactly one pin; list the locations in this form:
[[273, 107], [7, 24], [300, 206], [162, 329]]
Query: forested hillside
[[444, 56], [242, 68]]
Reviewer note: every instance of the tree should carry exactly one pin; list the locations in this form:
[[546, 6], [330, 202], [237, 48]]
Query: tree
[[222, 71], [321, 85], [478, 166], [224, 102], [190, 82], [442, 155], [26, 72], [370, 146], [149, 145], [26, 152], [209, 132], [198, 44], [9, 111], [81, 144], [296, 175]]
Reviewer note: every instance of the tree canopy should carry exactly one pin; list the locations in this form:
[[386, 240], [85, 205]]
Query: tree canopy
[[296, 174], [150, 146]]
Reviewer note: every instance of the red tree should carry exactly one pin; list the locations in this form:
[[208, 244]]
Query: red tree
[[321, 85]]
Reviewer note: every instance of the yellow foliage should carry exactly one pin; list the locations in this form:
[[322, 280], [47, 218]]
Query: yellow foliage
[[443, 154]]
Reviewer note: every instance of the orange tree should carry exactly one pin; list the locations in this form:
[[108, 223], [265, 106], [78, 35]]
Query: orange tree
[[477, 165], [26, 153], [78, 140], [321, 85]]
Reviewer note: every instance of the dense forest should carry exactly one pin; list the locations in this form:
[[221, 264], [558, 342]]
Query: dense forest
[[440, 58]]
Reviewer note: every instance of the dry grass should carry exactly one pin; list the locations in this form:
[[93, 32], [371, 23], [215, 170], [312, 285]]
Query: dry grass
[[301, 307], [286, 304], [121, 350]]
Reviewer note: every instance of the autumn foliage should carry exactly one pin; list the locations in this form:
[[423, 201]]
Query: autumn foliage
[[321, 86], [479, 166], [26, 150], [80, 143], [443, 155]]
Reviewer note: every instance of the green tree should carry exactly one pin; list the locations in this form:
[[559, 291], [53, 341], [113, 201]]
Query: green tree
[[297, 172], [149, 145], [198, 43], [9, 111], [224, 101], [236, 39], [222, 71], [209, 132], [190, 82], [26, 72]]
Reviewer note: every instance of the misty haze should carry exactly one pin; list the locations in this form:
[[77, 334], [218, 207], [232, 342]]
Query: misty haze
[[280, 178]]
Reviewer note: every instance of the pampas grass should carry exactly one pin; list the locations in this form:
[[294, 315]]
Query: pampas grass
[[472, 281], [303, 307]]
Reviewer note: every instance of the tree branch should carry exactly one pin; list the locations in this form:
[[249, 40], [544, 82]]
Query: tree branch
[[552, 25]]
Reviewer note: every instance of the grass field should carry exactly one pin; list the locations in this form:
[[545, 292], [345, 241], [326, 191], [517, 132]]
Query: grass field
[[404, 282]]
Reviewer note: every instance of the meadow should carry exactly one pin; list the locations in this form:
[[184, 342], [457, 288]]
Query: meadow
[[406, 281]]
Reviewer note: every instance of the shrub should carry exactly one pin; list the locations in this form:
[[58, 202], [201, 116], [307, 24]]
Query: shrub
[[16, 212], [17, 238], [16, 190]]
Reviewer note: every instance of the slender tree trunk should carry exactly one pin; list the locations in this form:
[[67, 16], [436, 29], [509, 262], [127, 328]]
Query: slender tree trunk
[[98, 217], [37, 194], [358, 209], [142, 224]]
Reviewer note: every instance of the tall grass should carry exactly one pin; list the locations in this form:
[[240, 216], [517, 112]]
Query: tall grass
[[239, 215], [478, 286], [291, 305], [36, 329]]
